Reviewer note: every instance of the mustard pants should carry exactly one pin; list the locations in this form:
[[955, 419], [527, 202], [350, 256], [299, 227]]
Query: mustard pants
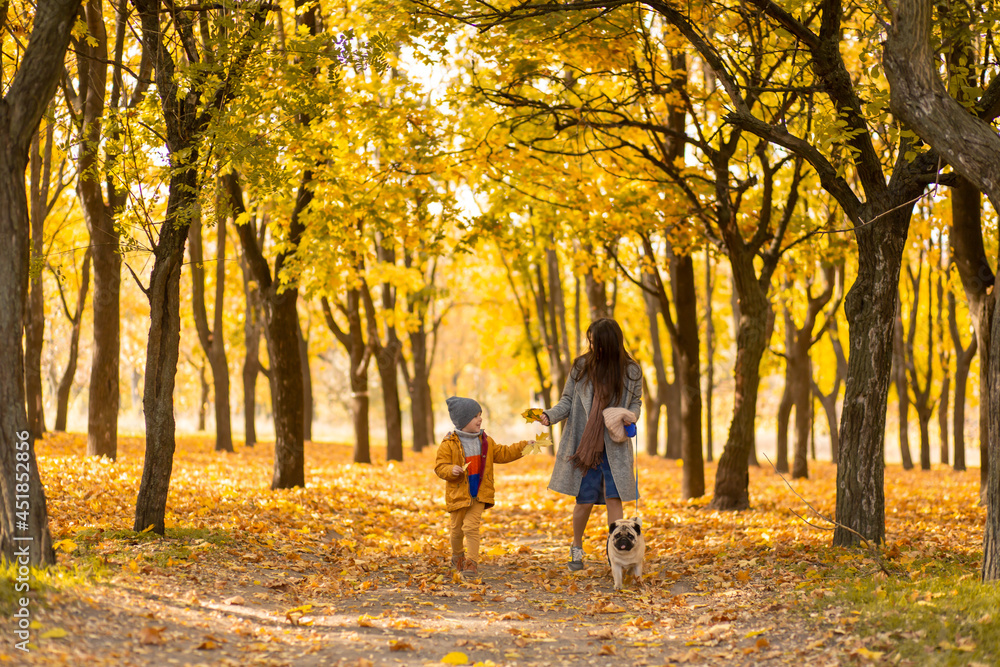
[[465, 525]]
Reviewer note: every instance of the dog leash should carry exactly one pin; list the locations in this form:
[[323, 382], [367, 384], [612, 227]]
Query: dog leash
[[634, 439]]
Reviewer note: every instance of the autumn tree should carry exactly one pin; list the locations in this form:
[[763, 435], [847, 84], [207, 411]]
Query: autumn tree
[[188, 101], [38, 68], [798, 366], [46, 182], [75, 317], [966, 140], [96, 114], [212, 338]]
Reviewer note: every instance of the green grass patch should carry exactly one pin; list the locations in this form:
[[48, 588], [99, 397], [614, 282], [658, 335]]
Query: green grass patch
[[941, 614], [41, 582]]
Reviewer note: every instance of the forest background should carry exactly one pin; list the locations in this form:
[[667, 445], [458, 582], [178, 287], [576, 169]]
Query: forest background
[[313, 221]]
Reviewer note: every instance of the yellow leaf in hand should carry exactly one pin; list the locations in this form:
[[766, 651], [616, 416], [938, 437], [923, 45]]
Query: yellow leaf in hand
[[544, 439], [466, 466], [532, 414]]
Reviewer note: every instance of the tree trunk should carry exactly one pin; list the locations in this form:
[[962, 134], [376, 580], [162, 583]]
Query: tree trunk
[[709, 356], [597, 295], [942, 411], [23, 531], [902, 391], [212, 339], [307, 386], [974, 269], [921, 390], [279, 304], [184, 123], [784, 418], [282, 318], [280, 321], [963, 360], [787, 401], [66, 382], [651, 417], [252, 323], [34, 329], [360, 354], [206, 389], [420, 391], [970, 145], [944, 360], [104, 401], [803, 415], [163, 343], [829, 404], [688, 369], [870, 308], [652, 403], [732, 478], [672, 394], [387, 356]]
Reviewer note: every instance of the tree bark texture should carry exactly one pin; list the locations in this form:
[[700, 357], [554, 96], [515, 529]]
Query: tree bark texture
[[280, 320], [212, 339], [870, 307], [688, 368], [162, 349], [104, 396], [27, 95], [977, 277], [184, 121], [918, 96]]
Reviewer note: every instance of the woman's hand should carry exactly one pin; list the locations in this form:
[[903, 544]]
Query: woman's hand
[[456, 471], [544, 419]]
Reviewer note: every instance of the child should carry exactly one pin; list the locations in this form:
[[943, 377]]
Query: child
[[465, 460]]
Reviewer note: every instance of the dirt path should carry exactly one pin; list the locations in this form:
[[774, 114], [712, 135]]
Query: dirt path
[[224, 608]]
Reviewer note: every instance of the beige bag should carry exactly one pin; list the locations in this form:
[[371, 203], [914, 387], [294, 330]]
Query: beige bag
[[615, 420]]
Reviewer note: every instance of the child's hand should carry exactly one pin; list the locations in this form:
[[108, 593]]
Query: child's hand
[[456, 471]]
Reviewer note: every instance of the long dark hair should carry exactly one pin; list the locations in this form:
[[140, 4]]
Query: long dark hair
[[607, 362]]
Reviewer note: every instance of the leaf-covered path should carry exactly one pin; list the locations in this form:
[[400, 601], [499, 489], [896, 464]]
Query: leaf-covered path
[[353, 569]]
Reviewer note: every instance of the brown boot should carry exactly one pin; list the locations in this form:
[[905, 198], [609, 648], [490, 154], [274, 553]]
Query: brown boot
[[458, 562], [470, 570]]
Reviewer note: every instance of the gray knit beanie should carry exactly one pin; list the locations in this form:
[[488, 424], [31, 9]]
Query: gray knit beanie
[[462, 411]]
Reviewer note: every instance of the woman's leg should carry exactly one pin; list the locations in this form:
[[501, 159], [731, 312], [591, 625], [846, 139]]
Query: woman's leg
[[615, 510], [581, 514]]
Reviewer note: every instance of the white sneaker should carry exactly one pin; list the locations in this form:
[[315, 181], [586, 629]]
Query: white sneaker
[[576, 558]]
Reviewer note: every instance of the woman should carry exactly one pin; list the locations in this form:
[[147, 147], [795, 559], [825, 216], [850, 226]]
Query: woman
[[589, 465]]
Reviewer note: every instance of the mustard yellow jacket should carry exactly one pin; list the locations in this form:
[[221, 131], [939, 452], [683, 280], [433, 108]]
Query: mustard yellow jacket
[[450, 454]]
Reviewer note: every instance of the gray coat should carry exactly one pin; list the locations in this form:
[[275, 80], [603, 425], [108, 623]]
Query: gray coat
[[575, 404]]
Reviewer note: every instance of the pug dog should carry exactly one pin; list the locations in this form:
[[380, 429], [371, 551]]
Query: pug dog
[[626, 549]]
